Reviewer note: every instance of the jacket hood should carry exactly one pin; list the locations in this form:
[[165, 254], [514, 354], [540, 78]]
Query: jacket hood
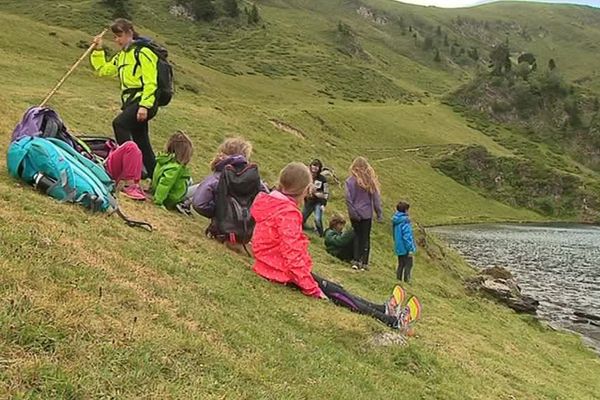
[[231, 160], [267, 206], [399, 217], [165, 158]]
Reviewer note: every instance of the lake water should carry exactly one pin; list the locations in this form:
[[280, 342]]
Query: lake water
[[559, 265]]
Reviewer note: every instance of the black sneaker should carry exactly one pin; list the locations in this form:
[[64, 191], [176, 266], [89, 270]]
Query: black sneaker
[[184, 209]]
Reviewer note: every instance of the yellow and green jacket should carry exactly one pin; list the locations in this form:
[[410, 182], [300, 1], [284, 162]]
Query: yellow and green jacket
[[136, 83]]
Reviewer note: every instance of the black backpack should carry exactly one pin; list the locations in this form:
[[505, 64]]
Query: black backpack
[[236, 190], [164, 92]]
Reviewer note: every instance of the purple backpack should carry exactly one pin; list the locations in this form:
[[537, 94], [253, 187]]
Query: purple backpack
[[44, 122]]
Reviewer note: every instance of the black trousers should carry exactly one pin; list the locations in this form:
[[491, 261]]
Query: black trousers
[[341, 297], [127, 127], [404, 271], [362, 240]]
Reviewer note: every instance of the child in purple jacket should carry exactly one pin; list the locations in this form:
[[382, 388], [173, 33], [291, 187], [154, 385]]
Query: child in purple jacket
[[362, 197]]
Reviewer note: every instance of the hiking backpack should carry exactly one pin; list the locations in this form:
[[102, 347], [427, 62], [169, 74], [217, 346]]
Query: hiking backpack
[[57, 169], [164, 91], [76, 178], [46, 123], [236, 190], [100, 146]]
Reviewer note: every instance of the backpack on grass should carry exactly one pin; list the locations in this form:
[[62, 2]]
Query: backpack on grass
[[236, 190], [46, 123], [58, 170]]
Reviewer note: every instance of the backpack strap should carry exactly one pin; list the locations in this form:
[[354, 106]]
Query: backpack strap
[[132, 223]]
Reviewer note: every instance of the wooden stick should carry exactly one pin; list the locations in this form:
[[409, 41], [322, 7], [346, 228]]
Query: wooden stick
[[70, 71]]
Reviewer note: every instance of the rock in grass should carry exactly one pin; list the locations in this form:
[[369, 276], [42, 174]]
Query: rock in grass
[[499, 284]]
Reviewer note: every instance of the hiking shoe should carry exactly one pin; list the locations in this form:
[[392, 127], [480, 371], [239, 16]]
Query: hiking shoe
[[396, 301], [409, 313], [185, 209], [355, 265], [134, 192]]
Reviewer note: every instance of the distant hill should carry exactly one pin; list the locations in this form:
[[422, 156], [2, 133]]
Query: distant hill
[[94, 309]]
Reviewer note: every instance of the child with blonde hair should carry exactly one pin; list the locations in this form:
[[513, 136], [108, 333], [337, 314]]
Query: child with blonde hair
[[234, 151], [171, 176], [281, 250], [362, 197]]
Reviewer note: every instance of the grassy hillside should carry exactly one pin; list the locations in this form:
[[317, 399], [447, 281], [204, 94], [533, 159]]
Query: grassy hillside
[[93, 309]]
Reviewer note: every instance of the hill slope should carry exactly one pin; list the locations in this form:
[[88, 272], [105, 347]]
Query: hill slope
[[94, 309]]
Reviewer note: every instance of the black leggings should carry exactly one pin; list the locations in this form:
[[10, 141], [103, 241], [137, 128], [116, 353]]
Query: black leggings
[[362, 240], [341, 297], [127, 127]]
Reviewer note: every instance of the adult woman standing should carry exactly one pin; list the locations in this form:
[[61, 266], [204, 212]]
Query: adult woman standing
[[136, 67]]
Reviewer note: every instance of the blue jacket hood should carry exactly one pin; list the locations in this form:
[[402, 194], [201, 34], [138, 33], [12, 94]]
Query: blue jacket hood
[[399, 217]]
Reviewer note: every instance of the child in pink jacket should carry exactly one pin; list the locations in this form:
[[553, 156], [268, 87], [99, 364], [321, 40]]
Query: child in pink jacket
[[281, 248]]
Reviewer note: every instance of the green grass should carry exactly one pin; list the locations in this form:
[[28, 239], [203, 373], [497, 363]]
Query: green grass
[[93, 309]]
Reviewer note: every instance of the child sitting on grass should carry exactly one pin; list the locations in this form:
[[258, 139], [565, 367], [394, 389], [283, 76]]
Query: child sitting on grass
[[124, 166], [281, 251], [171, 176], [404, 243], [339, 242]]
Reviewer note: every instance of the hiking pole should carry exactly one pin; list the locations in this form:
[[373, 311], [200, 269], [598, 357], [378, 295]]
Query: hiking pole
[[70, 71]]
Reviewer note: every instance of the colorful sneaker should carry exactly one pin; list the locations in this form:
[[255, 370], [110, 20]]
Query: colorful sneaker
[[134, 192], [410, 313], [396, 301]]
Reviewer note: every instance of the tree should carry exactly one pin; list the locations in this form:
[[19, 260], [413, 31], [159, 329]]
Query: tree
[[438, 31], [500, 59], [523, 70], [437, 57], [253, 15], [231, 8], [401, 22], [446, 43], [120, 8], [428, 43], [473, 53], [203, 10], [551, 64]]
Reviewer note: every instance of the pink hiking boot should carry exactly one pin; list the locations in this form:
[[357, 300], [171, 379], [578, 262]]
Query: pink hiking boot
[[134, 192]]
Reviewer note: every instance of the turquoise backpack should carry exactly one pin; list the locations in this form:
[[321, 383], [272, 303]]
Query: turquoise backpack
[[73, 177]]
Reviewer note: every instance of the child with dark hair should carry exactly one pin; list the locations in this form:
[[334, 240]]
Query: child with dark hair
[[339, 242], [404, 243], [317, 197]]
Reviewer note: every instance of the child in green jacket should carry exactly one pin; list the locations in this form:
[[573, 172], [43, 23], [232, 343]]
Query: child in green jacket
[[339, 243], [171, 176]]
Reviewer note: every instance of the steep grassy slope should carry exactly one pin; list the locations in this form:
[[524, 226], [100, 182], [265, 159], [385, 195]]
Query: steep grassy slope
[[94, 309]]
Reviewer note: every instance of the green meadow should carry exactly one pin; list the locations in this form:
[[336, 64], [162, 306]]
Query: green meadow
[[93, 309]]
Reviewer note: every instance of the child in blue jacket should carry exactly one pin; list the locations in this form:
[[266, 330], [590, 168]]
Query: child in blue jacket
[[404, 243]]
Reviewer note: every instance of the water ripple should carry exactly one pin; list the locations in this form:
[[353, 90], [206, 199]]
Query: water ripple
[[558, 265]]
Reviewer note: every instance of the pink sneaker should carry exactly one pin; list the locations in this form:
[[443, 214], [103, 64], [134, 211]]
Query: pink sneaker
[[134, 192]]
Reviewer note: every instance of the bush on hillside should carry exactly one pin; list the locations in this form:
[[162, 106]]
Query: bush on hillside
[[120, 8], [520, 182]]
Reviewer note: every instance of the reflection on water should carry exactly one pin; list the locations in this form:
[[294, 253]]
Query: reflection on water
[[558, 265]]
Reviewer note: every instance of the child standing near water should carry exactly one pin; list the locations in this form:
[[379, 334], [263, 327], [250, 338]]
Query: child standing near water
[[404, 243]]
